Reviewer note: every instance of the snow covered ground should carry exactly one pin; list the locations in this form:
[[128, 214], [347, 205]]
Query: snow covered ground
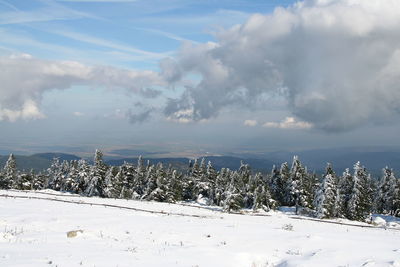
[[34, 232]]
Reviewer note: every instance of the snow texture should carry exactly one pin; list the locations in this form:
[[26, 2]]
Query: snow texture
[[42, 232]]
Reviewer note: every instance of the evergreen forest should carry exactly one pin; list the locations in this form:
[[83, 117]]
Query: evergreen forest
[[354, 194]]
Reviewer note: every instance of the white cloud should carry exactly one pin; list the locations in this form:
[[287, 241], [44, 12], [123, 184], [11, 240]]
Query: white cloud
[[181, 116], [28, 110], [24, 80], [288, 123], [78, 114], [336, 63], [250, 123]]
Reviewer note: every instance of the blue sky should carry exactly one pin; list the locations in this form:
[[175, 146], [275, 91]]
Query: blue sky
[[197, 76]]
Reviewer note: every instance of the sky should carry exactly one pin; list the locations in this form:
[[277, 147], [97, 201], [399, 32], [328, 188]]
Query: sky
[[188, 77]]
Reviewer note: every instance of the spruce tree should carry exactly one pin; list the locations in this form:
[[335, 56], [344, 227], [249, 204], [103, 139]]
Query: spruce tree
[[386, 192], [39, 181], [10, 173], [234, 198], [83, 176], [278, 183], [175, 185], [296, 192], [360, 204], [221, 186], [55, 173], [25, 181], [346, 184], [326, 196], [98, 172]]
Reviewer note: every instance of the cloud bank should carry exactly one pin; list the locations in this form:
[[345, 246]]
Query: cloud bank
[[25, 79], [250, 123], [288, 123], [336, 62]]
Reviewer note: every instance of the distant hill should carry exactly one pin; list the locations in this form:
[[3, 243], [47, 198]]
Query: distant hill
[[315, 160], [340, 158], [61, 156], [218, 162], [37, 162]]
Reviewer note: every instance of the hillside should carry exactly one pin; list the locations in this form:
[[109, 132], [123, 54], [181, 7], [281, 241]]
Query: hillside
[[37, 162], [42, 161], [35, 232]]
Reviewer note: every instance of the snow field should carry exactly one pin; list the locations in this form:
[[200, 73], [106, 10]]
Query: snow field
[[33, 232]]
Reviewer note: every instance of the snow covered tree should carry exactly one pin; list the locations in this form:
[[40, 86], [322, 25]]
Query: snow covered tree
[[139, 181], [163, 192], [25, 181], [71, 179], [151, 184], [278, 184], [310, 186], [295, 188], [10, 173], [262, 197], [189, 180], [96, 185], [326, 196], [386, 192], [175, 185], [221, 186], [55, 174], [396, 199], [111, 184], [124, 179], [39, 181], [234, 198], [83, 177], [360, 202]]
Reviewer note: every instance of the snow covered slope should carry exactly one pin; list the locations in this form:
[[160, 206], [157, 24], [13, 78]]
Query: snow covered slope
[[47, 228]]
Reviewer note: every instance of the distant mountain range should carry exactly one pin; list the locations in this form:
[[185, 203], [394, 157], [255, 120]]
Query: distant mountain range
[[315, 160], [37, 162], [374, 159], [43, 161]]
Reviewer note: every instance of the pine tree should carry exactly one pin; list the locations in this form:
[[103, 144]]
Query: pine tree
[[286, 196], [96, 185], [83, 177], [139, 185], [295, 189], [10, 179], [386, 191], [71, 180], [310, 185], [326, 196], [360, 204], [125, 178], [151, 184], [278, 183], [234, 198], [25, 181], [221, 186], [111, 184], [55, 173], [396, 199], [39, 181], [189, 180], [262, 195], [175, 185], [346, 184]]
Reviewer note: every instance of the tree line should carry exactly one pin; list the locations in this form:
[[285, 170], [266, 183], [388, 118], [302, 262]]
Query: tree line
[[353, 195]]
